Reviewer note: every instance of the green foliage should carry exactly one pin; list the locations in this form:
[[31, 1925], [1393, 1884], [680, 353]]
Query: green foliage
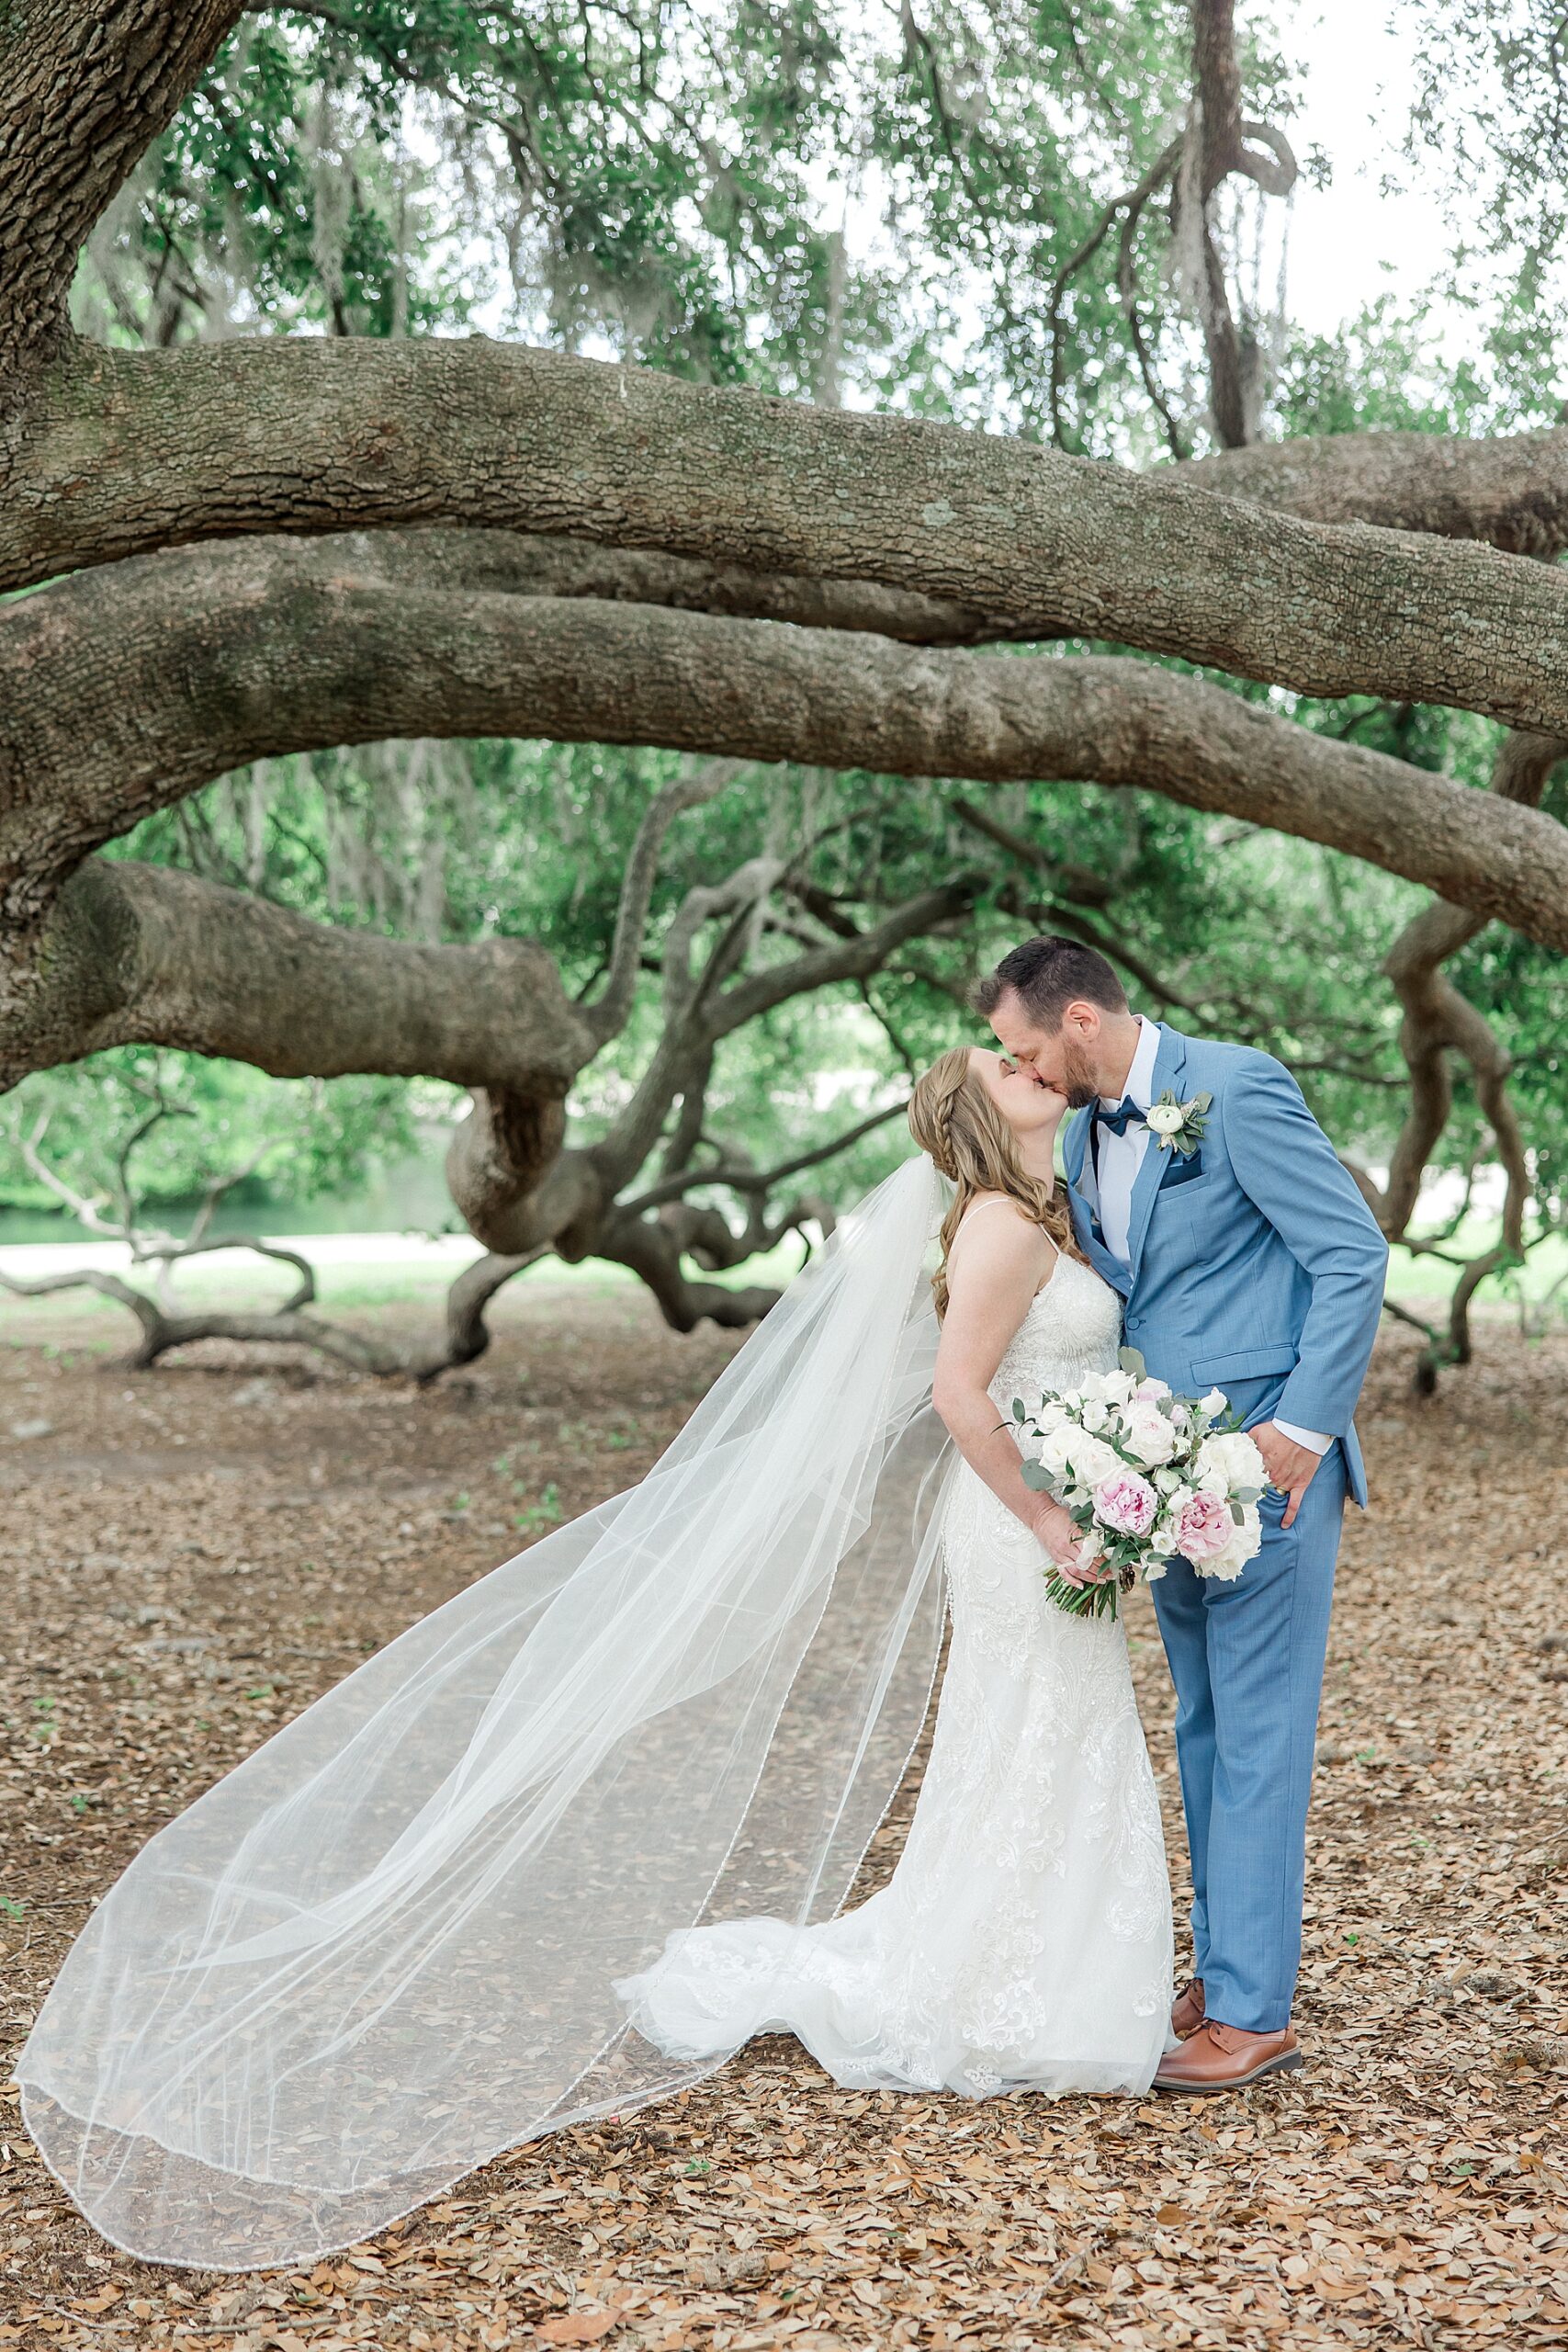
[[823, 200], [1387, 371], [295, 1138], [1488, 142], [838, 205]]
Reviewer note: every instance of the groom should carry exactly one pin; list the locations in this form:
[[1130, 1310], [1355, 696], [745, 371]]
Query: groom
[[1251, 1264]]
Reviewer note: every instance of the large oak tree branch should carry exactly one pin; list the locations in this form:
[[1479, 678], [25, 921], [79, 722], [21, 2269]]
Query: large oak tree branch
[[137, 954], [274, 650], [1511, 491], [532, 564], [133, 450]]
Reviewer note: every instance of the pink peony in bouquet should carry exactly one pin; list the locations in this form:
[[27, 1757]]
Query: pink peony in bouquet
[[1147, 1476]]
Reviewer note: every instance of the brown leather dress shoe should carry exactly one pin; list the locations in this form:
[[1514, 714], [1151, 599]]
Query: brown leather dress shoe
[[1224, 2058], [1187, 2010]]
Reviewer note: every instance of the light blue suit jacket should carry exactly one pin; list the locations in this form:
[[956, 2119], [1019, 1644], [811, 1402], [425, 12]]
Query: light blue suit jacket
[[1257, 1267]]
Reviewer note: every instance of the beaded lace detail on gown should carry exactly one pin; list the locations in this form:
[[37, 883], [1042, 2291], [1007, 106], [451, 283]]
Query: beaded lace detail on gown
[[1025, 1941]]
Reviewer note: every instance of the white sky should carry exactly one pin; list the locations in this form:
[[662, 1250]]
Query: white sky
[[1352, 242]]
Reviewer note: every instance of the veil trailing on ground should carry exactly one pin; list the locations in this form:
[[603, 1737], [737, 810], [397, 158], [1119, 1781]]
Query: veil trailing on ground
[[385, 1948]]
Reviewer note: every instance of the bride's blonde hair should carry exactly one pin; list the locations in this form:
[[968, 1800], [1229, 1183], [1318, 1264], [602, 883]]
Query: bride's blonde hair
[[954, 1119]]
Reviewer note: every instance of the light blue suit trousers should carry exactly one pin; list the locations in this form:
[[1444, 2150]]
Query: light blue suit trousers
[[1256, 1267]]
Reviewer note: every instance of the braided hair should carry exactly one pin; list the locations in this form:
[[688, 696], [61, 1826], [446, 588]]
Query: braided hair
[[954, 1119]]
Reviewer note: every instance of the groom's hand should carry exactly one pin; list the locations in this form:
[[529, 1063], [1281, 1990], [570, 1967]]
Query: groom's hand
[[1290, 1466]]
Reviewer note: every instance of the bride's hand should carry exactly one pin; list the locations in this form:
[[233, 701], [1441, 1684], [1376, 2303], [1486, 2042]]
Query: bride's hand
[[1057, 1531]]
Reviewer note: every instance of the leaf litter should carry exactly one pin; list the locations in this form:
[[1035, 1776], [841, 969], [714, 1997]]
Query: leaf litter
[[197, 1553]]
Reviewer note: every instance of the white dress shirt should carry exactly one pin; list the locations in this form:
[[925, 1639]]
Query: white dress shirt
[[1117, 1160]]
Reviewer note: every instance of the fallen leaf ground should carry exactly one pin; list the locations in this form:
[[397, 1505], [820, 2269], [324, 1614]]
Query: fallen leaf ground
[[195, 1553]]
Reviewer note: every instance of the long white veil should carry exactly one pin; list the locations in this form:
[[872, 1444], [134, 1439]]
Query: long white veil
[[385, 1947]]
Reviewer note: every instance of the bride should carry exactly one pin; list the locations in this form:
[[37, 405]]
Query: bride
[[1024, 1941], [566, 1843]]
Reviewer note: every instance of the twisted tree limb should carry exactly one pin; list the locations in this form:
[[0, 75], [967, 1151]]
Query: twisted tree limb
[[1440, 1022], [162, 1330], [1220, 142]]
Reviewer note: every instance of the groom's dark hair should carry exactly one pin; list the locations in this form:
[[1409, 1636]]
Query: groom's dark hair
[[1046, 976]]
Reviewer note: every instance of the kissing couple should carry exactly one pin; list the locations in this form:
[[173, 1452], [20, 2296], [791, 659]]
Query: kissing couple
[[566, 1844]]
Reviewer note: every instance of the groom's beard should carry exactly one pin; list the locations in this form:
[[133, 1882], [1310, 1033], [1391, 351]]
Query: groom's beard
[[1078, 1083]]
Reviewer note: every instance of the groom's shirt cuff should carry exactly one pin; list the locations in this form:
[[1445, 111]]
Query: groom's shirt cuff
[[1313, 1440]]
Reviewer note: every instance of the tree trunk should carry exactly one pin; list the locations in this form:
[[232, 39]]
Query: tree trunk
[[85, 85]]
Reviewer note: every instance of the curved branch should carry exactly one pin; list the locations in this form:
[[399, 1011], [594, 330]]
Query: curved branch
[[161, 1330], [278, 650], [608, 1012], [838, 959], [1440, 1022], [1127, 288], [1276, 171], [528, 564], [1510, 492], [467, 1335], [653, 1252], [135, 953], [741, 1178], [134, 450], [1132, 202]]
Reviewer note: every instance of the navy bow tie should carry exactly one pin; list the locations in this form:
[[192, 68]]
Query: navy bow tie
[[1125, 1114]]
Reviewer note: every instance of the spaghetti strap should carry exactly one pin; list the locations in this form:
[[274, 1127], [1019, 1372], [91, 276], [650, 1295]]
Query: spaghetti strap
[[991, 1201], [1001, 1201]]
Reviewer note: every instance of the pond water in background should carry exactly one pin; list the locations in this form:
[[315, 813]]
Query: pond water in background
[[409, 1196]]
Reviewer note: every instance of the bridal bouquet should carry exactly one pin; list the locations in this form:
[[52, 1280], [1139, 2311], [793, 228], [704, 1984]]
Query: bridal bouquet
[[1145, 1475]]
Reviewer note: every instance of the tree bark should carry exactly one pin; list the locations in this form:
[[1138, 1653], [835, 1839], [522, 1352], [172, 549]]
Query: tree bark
[[135, 954], [277, 648], [142, 450], [522, 563], [1216, 129], [1438, 1022], [85, 85], [1510, 492]]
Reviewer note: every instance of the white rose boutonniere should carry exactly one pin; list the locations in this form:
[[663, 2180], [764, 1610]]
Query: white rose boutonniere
[[1178, 1126]]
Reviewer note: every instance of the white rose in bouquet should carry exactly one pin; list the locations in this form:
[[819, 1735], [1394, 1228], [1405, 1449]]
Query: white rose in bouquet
[[1118, 1387], [1056, 1448], [1096, 1413], [1148, 1434], [1213, 1404], [1091, 1458], [1227, 1462]]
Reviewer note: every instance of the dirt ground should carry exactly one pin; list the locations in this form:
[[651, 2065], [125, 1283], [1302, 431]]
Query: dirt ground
[[195, 1553]]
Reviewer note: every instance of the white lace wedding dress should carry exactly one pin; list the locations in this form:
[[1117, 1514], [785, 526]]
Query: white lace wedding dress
[[1025, 1941]]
